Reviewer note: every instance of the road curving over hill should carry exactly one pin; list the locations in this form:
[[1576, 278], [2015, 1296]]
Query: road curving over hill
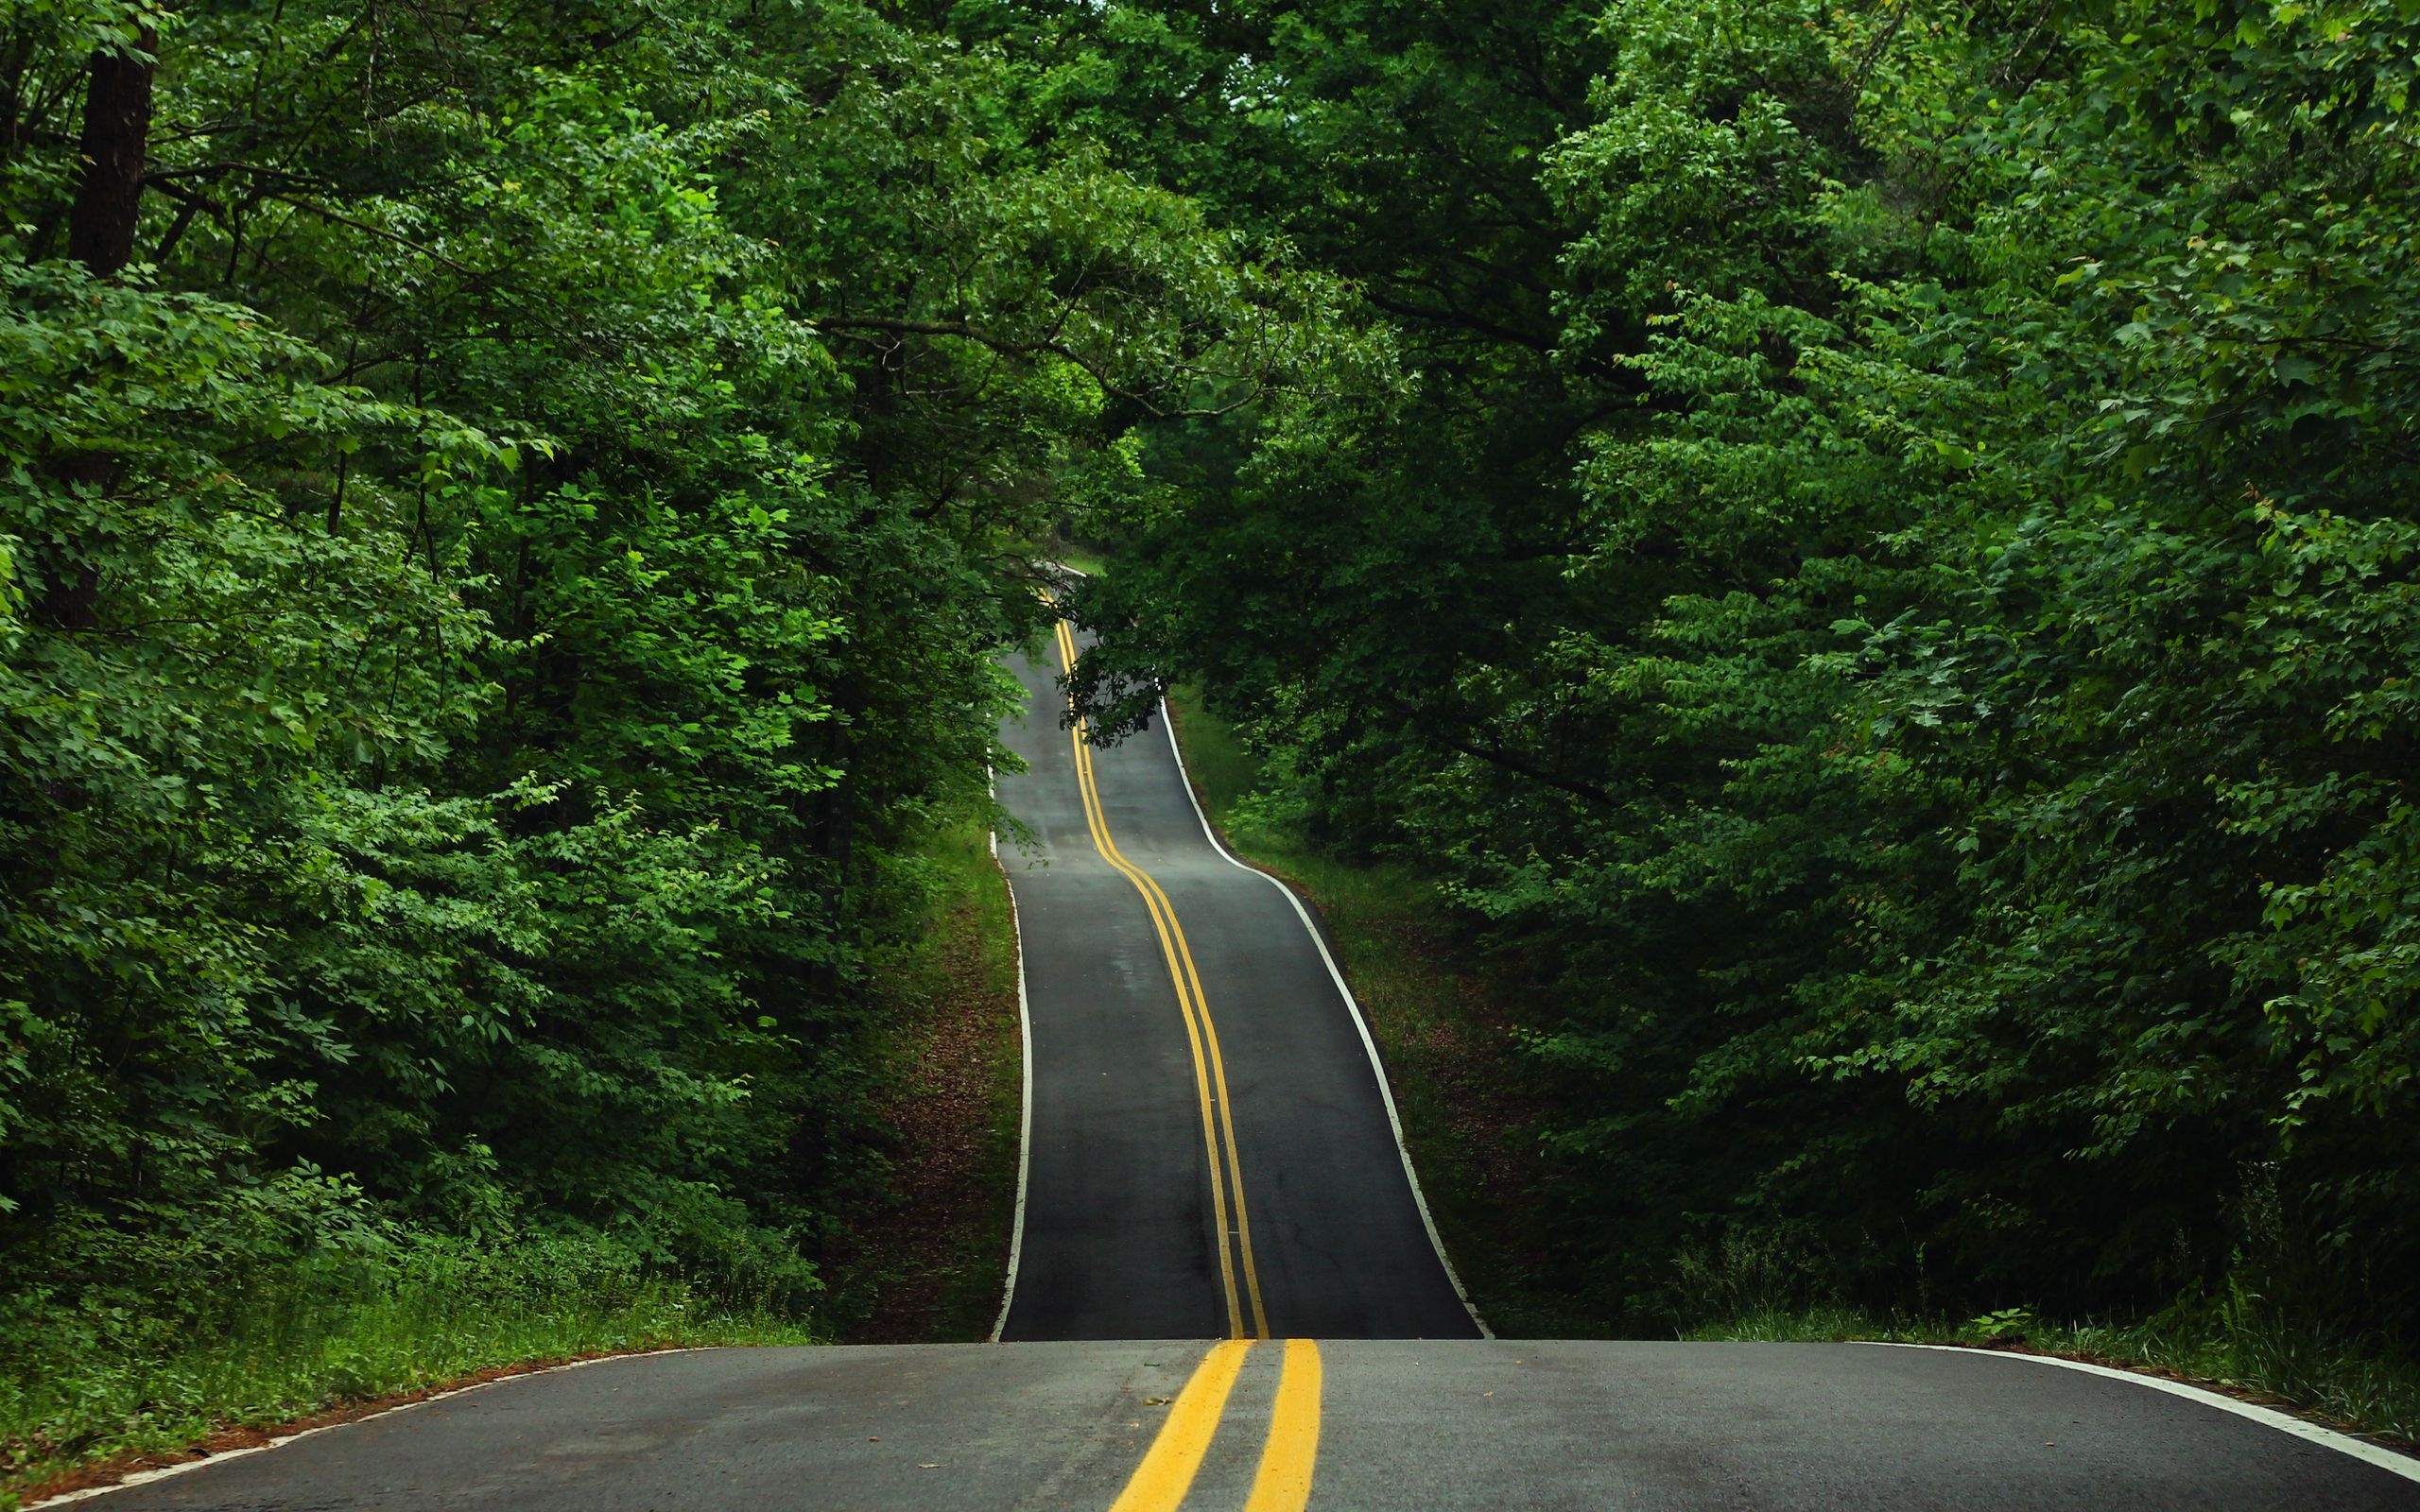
[[1226, 1295], [1212, 1150]]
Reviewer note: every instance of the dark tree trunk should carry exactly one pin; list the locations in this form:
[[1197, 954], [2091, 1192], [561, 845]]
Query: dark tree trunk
[[836, 842], [101, 235], [117, 134]]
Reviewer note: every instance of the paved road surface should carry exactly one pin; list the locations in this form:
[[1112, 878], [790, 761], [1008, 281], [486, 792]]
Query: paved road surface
[[1405, 1425], [1121, 1234], [1211, 1159]]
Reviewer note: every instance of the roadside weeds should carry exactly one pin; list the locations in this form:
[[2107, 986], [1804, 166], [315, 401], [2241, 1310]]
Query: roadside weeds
[[237, 1438], [318, 1348], [2372, 1399]]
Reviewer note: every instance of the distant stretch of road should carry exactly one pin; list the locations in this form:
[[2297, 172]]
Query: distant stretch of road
[[1226, 1294], [1212, 1150]]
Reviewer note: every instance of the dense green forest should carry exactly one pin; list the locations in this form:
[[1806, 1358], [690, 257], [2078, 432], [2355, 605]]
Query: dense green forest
[[510, 512], [1857, 545], [1889, 594]]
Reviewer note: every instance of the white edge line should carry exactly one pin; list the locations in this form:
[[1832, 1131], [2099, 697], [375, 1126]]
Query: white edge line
[[1025, 1042], [165, 1471], [1377, 1066], [2385, 1459], [1025, 1118]]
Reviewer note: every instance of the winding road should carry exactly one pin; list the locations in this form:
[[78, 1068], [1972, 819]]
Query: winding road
[[1226, 1294], [1212, 1150]]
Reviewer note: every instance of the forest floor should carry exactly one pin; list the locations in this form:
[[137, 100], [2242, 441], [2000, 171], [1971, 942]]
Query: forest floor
[[1445, 1023], [924, 1256]]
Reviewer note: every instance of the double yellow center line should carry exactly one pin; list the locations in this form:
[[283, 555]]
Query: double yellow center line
[[1283, 1482], [1209, 1070]]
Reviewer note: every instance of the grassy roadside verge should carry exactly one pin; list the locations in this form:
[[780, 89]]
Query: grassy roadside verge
[[2237, 1344], [923, 1261], [335, 1337], [1441, 1024], [338, 1337]]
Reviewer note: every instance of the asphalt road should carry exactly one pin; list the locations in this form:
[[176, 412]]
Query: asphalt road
[[1122, 1221], [1211, 1157], [1405, 1424]]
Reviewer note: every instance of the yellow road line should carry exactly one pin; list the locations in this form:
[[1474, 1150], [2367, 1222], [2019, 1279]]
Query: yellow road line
[[1226, 1118], [1291, 1454], [1209, 1070], [1286, 1460], [1193, 1040], [1096, 821], [1199, 1008], [1166, 1471]]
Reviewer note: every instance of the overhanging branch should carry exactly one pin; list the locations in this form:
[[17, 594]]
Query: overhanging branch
[[1028, 347]]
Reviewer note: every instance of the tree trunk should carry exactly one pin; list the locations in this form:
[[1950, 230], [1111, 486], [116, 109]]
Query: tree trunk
[[101, 235], [117, 135], [837, 841]]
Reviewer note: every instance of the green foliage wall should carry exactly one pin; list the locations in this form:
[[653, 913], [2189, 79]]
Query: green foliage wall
[[1868, 546], [1895, 607], [507, 516]]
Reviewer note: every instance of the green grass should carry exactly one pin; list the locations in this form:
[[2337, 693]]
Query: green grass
[[332, 1331], [2256, 1354], [2262, 1353], [1090, 558]]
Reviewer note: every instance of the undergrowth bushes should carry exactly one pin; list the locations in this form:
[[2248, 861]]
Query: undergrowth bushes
[[135, 1373]]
